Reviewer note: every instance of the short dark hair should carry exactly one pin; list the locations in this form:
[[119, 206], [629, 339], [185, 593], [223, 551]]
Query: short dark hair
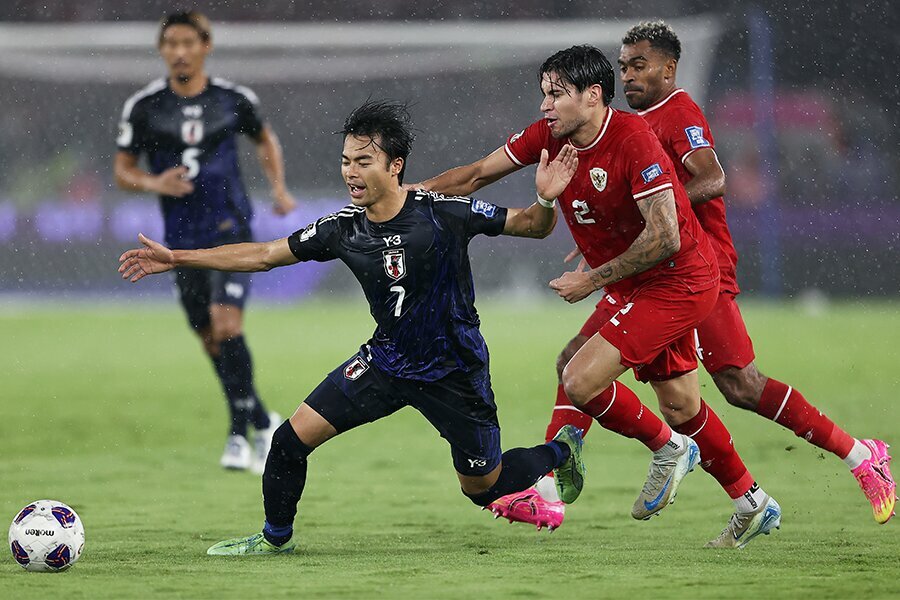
[[659, 34], [583, 66], [191, 18], [389, 121]]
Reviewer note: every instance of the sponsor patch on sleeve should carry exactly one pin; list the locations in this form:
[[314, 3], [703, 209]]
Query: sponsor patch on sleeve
[[651, 172], [485, 208], [308, 232], [695, 137]]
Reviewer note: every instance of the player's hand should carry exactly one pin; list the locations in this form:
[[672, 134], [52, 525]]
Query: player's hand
[[140, 262], [284, 202], [574, 286], [575, 253], [172, 182], [552, 177]]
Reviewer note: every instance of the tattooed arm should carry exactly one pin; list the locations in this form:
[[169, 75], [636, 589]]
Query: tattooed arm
[[659, 240]]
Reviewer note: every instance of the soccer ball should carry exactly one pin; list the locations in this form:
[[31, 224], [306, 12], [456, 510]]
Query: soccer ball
[[46, 535]]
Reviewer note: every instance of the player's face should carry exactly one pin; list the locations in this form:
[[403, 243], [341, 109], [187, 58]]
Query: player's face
[[367, 170], [646, 74], [184, 52], [565, 108]]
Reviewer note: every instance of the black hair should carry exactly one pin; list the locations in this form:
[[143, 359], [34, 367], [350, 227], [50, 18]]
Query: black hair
[[582, 66], [191, 18], [387, 120], [659, 34]]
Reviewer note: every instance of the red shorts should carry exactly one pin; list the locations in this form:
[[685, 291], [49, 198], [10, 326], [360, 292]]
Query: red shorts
[[603, 312], [722, 339], [654, 332]]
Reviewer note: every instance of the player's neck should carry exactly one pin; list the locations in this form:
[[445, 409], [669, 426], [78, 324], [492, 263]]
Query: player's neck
[[664, 93], [190, 88], [587, 133], [387, 207]]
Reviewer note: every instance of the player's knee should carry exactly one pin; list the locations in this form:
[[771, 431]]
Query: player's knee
[[739, 388], [577, 386], [226, 331], [286, 446]]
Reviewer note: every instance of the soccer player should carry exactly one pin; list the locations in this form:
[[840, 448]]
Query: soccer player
[[409, 252], [648, 63], [632, 221], [187, 126]]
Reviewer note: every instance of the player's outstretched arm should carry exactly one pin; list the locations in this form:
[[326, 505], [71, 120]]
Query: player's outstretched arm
[[155, 258], [707, 177], [659, 240], [271, 158], [466, 180], [552, 177]]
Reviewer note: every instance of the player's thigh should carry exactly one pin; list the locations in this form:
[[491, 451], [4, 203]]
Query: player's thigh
[[593, 369], [603, 311], [722, 338], [461, 407], [353, 394], [194, 293]]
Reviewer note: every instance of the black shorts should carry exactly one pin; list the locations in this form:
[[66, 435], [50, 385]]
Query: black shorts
[[460, 406], [198, 289]]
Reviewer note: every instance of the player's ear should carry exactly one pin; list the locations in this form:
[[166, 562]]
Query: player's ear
[[396, 166], [669, 69], [595, 95]]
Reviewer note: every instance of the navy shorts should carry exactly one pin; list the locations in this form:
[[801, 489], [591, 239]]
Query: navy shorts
[[199, 289], [460, 406]]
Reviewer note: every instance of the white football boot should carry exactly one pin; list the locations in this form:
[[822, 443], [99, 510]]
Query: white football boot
[[237, 453], [262, 442]]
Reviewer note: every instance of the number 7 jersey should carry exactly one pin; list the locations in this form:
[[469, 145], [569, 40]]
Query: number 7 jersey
[[625, 163], [414, 270]]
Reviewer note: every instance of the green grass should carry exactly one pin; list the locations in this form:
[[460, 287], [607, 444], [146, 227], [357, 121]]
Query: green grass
[[115, 411]]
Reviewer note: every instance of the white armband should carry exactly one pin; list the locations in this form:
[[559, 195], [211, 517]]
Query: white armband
[[546, 203]]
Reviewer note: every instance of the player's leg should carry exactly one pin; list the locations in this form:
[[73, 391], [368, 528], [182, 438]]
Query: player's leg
[[351, 395], [727, 353], [229, 294]]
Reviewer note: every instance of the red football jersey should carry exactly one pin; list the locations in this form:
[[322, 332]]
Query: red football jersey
[[625, 163], [681, 128]]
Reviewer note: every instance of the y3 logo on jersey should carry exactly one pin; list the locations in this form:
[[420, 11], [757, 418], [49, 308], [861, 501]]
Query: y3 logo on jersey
[[393, 240], [476, 462], [394, 263]]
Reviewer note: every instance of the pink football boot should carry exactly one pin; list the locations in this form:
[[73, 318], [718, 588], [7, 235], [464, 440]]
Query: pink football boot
[[529, 507], [874, 477]]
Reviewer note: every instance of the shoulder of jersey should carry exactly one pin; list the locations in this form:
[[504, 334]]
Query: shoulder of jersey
[[348, 212], [151, 89], [630, 122], [425, 195], [235, 88]]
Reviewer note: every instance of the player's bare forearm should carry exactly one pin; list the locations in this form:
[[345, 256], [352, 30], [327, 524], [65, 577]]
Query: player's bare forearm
[[533, 222], [271, 158], [128, 175], [707, 176], [466, 180], [246, 258], [659, 240]]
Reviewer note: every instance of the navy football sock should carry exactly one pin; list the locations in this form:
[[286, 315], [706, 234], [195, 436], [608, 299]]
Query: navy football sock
[[235, 369], [283, 482], [522, 467]]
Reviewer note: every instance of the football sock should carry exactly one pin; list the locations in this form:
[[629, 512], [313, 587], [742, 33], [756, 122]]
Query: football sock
[[283, 482], [566, 413], [673, 446], [787, 407], [522, 467], [750, 500], [717, 454], [857, 455], [618, 409], [235, 369], [546, 487]]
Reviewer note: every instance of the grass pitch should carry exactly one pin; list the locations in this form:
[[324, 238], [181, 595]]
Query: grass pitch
[[115, 411]]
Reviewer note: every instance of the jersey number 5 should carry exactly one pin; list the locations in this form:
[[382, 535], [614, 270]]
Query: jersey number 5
[[189, 159]]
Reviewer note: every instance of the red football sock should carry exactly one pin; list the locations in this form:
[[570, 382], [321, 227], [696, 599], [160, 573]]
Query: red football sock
[[618, 409], [787, 407], [566, 413], [717, 453]]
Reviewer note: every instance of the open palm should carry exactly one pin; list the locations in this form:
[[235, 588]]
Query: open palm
[[552, 177], [140, 262]]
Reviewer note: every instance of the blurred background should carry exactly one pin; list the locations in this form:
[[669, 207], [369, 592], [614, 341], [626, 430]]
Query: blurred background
[[802, 98]]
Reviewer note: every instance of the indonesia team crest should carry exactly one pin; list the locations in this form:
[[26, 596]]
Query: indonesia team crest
[[395, 263], [598, 178]]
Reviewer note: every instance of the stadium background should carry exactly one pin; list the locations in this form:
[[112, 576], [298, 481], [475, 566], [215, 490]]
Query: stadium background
[[804, 115]]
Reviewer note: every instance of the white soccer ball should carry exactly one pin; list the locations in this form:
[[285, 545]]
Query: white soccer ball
[[46, 535]]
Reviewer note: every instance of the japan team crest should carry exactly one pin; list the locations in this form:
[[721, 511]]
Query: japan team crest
[[192, 132], [598, 178], [355, 368], [394, 263]]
